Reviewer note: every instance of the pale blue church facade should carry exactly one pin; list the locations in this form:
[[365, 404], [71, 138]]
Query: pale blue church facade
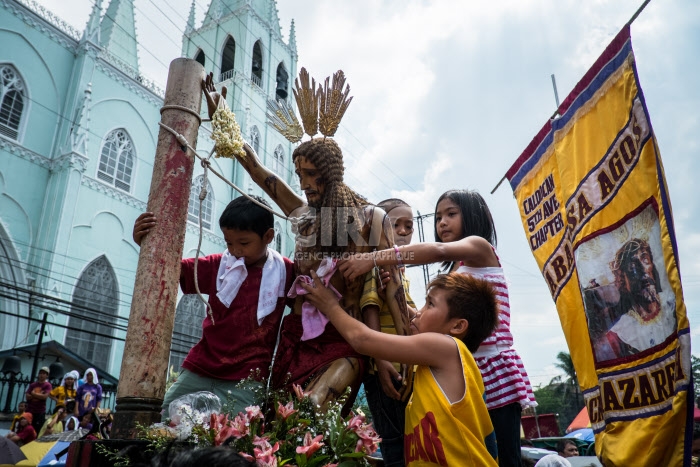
[[78, 134]]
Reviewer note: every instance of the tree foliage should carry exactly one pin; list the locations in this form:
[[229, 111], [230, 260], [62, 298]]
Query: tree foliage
[[562, 395]]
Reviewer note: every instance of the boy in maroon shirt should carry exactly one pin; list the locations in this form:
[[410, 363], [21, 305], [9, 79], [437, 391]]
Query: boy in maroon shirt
[[247, 286], [25, 431], [36, 396]]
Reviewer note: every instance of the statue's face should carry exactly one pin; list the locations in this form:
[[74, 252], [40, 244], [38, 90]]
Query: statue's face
[[310, 181]]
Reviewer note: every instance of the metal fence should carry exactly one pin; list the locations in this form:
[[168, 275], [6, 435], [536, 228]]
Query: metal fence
[[13, 388]]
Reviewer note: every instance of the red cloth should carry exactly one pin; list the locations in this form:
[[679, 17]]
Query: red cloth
[[302, 360], [235, 344], [27, 434]]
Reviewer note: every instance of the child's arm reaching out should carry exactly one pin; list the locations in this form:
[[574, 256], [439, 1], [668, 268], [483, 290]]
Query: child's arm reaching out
[[432, 349], [473, 250]]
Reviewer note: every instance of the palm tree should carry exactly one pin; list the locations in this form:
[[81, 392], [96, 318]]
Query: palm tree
[[569, 380]]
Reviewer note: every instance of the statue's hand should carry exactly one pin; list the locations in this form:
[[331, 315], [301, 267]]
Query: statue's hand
[[214, 98]]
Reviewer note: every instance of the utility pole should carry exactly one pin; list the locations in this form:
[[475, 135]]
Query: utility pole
[[35, 364], [146, 350], [421, 237]]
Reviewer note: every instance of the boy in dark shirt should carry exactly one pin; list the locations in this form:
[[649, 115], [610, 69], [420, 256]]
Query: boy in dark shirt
[[25, 431], [36, 396], [247, 286]]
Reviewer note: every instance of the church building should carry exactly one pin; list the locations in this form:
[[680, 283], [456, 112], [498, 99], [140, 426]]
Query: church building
[[78, 135]]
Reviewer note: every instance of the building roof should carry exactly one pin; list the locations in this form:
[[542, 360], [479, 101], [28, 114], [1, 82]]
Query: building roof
[[69, 359]]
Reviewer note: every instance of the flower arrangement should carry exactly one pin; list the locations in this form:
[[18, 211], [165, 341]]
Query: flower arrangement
[[283, 430]]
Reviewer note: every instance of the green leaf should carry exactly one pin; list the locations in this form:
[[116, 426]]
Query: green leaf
[[301, 460]]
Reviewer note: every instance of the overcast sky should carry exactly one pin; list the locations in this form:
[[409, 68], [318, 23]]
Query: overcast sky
[[449, 93]]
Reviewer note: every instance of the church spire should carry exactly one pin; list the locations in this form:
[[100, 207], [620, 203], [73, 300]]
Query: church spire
[[118, 32], [274, 18], [190, 20], [293, 37], [92, 29]]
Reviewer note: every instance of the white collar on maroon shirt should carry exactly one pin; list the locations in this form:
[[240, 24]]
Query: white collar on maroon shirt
[[232, 273]]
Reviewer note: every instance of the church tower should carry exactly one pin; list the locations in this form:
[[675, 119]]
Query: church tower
[[241, 43]]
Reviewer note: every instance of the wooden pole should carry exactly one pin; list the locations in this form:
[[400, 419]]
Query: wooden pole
[[147, 348]]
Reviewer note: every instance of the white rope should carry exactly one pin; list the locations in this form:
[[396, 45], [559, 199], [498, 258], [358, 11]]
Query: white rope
[[202, 195], [183, 108]]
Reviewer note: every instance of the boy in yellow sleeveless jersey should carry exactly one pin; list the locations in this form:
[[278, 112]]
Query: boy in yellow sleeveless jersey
[[447, 422]]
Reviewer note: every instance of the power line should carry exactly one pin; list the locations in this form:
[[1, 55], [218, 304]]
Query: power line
[[177, 335]]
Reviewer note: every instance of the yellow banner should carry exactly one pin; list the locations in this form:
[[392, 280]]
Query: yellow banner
[[596, 213]]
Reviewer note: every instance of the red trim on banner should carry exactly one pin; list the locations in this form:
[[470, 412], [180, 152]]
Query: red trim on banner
[[529, 150], [610, 52]]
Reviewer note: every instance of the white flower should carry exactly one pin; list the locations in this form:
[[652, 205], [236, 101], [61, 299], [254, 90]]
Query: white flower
[[226, 134]]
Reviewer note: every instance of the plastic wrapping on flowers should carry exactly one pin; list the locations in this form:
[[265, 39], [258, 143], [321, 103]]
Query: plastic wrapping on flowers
[[283, 429]]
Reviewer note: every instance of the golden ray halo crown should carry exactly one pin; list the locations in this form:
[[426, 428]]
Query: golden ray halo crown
[[321, 109]]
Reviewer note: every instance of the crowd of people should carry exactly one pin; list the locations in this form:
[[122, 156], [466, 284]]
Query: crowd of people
[[77, 407]]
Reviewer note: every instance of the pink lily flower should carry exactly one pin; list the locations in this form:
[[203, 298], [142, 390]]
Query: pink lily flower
[[285, 410], [265, 454], [253, 412], [310, 445], [298, 391]]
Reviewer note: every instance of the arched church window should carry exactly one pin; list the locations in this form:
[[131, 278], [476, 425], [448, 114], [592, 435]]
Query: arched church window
[[227, 59], [282, 79], [187, 330], [117, 159], [278, 160], [257, 65], [255, 139], [200, 57], [11, 101], [93, 311], [278, 237], [207, 203]]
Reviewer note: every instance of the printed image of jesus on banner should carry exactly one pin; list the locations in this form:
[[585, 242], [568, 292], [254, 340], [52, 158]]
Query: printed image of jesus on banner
[[595, 208]]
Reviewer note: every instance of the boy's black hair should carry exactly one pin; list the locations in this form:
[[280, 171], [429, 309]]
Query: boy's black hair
[[473, 299], [476, 216], [173, 456], [243, 214], [213, 457], [563, 443]]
